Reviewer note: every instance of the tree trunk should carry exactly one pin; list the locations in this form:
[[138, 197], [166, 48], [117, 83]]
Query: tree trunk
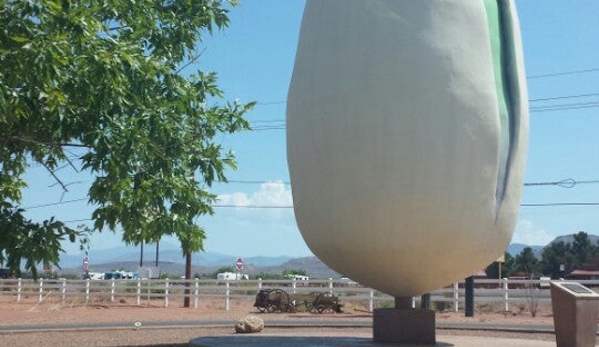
[[157, 251], [141, 255], [186, 298]]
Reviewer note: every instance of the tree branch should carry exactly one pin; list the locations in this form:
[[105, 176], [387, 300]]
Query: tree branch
[[64, 187], [192, 60]]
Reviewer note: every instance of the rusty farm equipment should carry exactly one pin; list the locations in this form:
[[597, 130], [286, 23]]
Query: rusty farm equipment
[[278, 300]]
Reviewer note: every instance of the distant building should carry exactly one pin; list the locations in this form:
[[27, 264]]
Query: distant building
[[583, 275], [231, 276]]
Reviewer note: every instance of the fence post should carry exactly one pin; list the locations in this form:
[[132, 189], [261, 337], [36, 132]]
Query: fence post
[[506, 303], [293, 285], [148, 291], [41, 290], [19, 289], [371, 301], [456, 296], [166, 291], [64, 290], [112, 290], [330, 284], [259, 284], [413, 302], [138, 292], [227, 292], [196, 293], [469, 296], [87, 290]]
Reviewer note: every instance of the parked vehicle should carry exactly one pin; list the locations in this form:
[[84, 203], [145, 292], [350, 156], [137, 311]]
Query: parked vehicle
[[120, 275], [94, 275], [230, 276], [226, 276]]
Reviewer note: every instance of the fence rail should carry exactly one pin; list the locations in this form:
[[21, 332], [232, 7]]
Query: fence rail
[[503, 291]]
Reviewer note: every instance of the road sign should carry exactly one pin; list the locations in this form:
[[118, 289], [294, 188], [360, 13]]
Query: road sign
[[239, 264]]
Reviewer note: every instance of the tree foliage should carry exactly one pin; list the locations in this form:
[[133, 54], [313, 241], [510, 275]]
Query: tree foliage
[[569, 255], [526, 262], [555, 256], [294, 272], [102, 86]]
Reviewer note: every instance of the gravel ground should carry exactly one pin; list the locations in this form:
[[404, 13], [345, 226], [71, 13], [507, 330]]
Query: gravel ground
[[33, 314]]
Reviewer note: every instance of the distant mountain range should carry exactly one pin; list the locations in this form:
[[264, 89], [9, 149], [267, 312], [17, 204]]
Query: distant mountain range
[[128, 254], [516, 248], [570, 238], [171, 261]]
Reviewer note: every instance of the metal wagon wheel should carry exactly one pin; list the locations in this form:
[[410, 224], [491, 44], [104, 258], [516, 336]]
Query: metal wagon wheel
[[260, 302], [309, 306], [277, 300], [326, 302]]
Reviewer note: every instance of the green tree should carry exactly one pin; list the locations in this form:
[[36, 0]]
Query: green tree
[[267, 276], [554, 256], [526, 262], [582, 249], [105, 87], [569, 256], [293, 272]]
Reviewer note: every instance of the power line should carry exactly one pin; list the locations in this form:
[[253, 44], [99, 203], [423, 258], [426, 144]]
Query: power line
[[253, 206], [281, 127], [267, 103], [560, 107], [561, 204], [566, 183], [565, 73], [78, 220], [557, 107], [54, 203], [553, 204], [268, 121], [564, 97], [257, 181], [559, 97]]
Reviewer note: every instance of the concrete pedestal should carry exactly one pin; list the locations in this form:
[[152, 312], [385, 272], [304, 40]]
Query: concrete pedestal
[[404, 325], [575, 309]]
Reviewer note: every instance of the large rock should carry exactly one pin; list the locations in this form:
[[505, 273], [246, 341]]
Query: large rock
[[249, 324]]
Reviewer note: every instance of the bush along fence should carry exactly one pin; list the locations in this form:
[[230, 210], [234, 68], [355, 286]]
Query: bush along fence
[[505, 292]]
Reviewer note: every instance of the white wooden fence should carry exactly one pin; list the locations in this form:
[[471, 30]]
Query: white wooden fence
[[505, 292]]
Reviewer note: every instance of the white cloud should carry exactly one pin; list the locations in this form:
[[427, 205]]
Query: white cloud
[[272, 193], [527, 233], [256, 231]]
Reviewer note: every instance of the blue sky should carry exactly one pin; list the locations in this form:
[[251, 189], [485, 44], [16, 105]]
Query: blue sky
[[254, 60]]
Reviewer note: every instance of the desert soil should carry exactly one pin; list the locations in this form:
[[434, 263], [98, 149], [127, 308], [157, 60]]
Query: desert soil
[[33, 314]]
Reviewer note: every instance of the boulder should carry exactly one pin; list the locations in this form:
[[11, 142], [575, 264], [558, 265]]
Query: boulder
[[249, 324]]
